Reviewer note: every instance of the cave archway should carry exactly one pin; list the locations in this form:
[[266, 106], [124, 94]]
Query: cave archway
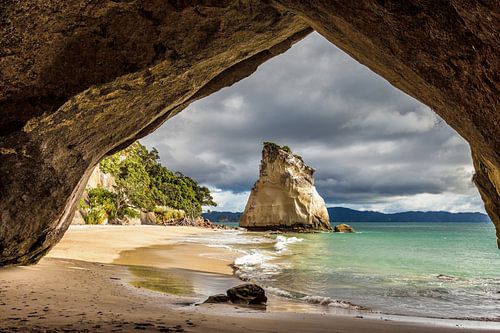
[[82, 80]]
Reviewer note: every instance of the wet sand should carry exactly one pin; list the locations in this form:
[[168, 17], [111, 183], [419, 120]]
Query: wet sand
[[78, 288], [183, 256]]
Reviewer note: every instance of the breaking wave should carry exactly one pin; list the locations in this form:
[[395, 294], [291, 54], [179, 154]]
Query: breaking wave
[[328, 301]]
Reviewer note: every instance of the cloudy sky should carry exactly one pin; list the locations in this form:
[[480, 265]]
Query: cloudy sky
[[373, 147]]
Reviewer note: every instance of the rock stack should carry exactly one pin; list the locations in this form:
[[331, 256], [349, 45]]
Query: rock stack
[[284, 196]]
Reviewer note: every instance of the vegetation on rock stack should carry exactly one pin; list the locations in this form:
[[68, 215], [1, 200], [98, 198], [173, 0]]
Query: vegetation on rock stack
[[271, 146], [142, 183]]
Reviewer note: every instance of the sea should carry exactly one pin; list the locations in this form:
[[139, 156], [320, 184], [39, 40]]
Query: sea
[[437, 270]]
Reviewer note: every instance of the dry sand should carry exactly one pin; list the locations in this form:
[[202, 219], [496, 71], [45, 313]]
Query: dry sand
[[77, 288], [104, 243]]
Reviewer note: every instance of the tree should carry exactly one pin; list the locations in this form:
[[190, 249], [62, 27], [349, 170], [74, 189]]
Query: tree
[[142, 180]]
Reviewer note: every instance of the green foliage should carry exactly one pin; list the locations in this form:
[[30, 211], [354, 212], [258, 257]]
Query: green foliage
[[147, 184], [100, 205], [271, 145], [130, 212], [165, 214], [274, 146]]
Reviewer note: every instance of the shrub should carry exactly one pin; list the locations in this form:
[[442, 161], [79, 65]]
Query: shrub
[[99, 206], [102, 204], [166, 214], [274, 146]]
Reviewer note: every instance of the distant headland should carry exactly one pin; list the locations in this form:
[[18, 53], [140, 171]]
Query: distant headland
[[342, 214]]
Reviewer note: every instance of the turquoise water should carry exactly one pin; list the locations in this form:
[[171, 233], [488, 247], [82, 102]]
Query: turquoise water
[[449, 270]]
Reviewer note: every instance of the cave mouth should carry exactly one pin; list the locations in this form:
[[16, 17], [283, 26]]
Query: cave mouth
[[131, 66], [373, 146]]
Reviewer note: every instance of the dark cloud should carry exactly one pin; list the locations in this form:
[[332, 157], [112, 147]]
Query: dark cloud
[[372, 145]]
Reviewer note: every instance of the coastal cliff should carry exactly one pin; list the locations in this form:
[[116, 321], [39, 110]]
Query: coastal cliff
[[132, 187], [284, 196]]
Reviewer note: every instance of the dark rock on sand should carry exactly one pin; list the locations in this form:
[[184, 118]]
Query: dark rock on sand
[[219, 298], [248, 293], [196, 222], [345, 228]]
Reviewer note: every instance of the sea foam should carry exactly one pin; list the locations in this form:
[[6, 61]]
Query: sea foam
[[262, 265], [328, 301], [282, 242]]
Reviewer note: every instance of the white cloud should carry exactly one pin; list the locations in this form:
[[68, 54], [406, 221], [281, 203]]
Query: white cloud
[[228, 201]]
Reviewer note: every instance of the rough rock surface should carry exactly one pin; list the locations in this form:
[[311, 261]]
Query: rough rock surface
[[198, 222], [345, 228], [219, 298], [126, 221], [284, 196], [81, 79], [100, 179], [148, 218], [248, 293], [78, 218]]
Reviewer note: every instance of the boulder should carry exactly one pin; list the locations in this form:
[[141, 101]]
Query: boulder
[[284, 196], [98, 178], [148, 218], [344, 228], [248, 293], [219, 298], [126, 220], [78, 218]]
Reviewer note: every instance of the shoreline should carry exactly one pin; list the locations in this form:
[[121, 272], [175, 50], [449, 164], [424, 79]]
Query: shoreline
[[89, 266], [278, 303]]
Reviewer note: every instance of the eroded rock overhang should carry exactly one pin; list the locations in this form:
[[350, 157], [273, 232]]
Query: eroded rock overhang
[[82, 79]]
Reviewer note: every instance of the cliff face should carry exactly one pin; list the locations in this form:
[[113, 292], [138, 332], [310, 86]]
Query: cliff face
[[97, 179], [284, 196], [82, 79], [101, 179]]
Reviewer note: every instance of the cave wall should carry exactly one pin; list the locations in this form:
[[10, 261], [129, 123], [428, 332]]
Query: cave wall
[[83, 78]]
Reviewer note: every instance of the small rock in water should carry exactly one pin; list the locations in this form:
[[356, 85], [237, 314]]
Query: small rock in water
[[219, 298], [343, 228], [248, 293]]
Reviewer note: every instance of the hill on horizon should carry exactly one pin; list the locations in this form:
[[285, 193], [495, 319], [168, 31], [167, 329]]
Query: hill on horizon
[[342, 214]]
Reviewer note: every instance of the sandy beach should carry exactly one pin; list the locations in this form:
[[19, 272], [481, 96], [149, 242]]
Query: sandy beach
[[93, 281]]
